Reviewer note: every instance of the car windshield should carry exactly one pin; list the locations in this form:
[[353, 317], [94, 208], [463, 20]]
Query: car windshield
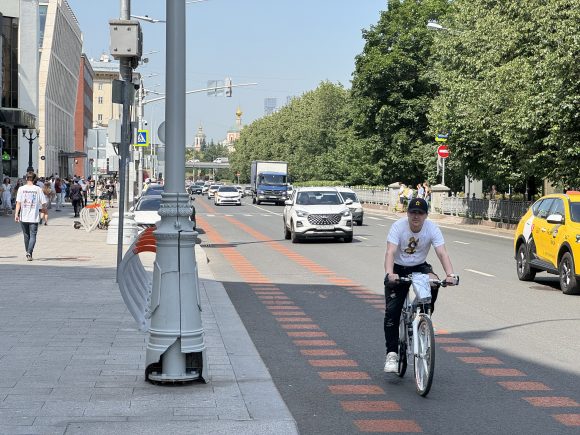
[[214, 187], [575, 211], [228, 189], [273, 179], [318, 198], [149, 204], [349, 195]]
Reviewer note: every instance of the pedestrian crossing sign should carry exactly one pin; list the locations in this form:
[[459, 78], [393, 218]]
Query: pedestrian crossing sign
[[142, 138]]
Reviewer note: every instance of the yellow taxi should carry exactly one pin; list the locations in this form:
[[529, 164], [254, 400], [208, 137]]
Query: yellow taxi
[[548, 240]]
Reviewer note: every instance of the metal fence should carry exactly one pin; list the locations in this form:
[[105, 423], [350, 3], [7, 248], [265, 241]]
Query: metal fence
[[497, 209]]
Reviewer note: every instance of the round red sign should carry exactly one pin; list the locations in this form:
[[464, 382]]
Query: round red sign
[[443, 151]]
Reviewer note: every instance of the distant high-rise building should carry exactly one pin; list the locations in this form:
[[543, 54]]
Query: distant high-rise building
[[270, 105]]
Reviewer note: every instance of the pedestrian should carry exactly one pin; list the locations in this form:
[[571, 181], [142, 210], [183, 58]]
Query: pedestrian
[[59, 192], [29, 202], [47, 190], [76, 197], [493, 192], [420, 191], [110, 189], [6, 196], [427, 192], [84, 185], [402, 188]]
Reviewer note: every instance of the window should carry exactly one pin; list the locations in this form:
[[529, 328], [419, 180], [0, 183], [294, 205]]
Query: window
[[545, 208], [100, 87], [100, 117], [557, 207], [100, 100]]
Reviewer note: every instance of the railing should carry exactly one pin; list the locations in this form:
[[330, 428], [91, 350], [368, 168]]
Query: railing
[[499, 210], [488, 209]]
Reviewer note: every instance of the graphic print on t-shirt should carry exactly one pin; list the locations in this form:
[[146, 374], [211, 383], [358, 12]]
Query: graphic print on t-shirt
[[412, 246]]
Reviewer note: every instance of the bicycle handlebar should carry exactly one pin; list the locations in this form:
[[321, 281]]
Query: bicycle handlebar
[[441, 282]]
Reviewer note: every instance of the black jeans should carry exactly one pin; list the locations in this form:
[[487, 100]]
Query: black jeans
[[395, 294], [29, 229], [77, 205]]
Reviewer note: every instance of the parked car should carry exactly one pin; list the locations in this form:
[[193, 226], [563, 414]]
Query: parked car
[[227, 195], [547, 239], [356, 207], [146, 211], [317, 212]]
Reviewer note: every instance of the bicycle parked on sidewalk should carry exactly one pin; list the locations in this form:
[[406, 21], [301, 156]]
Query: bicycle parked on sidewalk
[[416, 334]]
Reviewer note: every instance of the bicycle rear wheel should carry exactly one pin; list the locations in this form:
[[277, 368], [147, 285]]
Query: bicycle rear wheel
[[402, 367], [425, 357]]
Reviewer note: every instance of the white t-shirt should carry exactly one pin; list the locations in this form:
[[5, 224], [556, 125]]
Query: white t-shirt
[[31, 199], [414, 247]]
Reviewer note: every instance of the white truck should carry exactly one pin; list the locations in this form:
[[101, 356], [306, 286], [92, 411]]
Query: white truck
[[269, 181]]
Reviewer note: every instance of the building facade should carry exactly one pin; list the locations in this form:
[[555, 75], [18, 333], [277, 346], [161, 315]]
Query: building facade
[[83, 117], [106, 70], [19, 23], [233, 133], [199, 141], [58, 82]]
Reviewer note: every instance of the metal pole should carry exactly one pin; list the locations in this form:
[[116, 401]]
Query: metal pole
[[176, 328], [443, 176], [140, 169], [126, 75]]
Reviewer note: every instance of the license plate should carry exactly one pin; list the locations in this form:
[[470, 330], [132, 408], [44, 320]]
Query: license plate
[[325, 227]]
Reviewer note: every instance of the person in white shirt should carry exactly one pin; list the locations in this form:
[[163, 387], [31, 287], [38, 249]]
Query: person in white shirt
[[408, 244], [29, 202]]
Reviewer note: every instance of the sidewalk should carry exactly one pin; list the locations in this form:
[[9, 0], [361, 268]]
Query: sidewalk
[[455, 222], [72, 358]]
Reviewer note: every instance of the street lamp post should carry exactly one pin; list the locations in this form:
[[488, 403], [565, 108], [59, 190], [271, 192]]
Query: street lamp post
[[30, 138]]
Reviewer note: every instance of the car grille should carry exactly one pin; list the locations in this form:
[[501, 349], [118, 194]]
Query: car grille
[[273, 192], [324, 219]]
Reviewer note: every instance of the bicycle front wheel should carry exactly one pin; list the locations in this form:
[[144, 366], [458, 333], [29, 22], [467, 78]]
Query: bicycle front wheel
[[425, 357], [402, 367]]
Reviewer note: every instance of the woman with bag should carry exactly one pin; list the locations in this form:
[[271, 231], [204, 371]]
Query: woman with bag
[[6, 196]]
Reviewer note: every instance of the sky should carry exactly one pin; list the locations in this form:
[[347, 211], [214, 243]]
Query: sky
[[287, 47]]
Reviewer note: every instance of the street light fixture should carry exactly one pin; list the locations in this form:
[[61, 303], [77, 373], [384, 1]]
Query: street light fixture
[[30, 138], [434, 25]]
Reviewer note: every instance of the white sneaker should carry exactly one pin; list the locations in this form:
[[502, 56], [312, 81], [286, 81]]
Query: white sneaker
[[392, 363]]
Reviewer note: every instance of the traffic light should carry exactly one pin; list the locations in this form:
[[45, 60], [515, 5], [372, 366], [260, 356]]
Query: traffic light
[[228, 84]]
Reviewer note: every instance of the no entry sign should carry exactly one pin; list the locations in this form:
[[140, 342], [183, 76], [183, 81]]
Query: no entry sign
[[443, 151]]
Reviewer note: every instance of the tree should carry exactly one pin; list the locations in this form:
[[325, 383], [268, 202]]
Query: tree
[[392, 90]]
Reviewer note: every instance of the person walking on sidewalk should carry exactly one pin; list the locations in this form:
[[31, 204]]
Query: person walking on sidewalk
[[76, 197], [6, 196], [29, 202]]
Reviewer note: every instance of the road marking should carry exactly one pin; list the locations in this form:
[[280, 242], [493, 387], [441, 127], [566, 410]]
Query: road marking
[[210, 215], [461, 243], [266, 210], [361, 237], [230, 215], [478, 272], [374, 218], [248, 215], [381, 225]]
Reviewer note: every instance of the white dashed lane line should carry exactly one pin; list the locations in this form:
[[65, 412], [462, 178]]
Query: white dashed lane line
[[374, 218], [478, 272], [362, 238], [461, 243]]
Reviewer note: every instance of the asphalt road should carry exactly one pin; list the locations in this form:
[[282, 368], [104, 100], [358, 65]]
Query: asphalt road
[[507, 352]]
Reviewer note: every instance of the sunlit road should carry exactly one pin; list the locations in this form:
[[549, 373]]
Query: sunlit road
[[507, 353]]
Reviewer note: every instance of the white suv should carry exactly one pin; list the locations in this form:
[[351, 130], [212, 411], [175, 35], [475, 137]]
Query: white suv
[[356, 207], [317, 212]]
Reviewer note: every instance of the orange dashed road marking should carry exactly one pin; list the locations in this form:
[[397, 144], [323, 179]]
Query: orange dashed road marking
[[524, 386], [568, 419], [333, 363], [293, 319], [370, 406], [552, 402], [356, 389], [288, 313], [299, 326], [343, 375], [387, 426], [315, 342], [449, 340], [479, 359], [461, 349], [306, 334], [322, 352], [500, 372]]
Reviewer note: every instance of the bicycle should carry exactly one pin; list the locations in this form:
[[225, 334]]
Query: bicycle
[[416, 334]]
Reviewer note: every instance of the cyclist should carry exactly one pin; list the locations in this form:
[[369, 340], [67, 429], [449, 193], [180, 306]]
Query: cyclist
[[408, 244]]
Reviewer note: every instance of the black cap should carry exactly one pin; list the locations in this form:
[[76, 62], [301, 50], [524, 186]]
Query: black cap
[[418, 204]]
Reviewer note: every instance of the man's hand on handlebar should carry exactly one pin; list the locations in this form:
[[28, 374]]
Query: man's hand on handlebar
[[391, 278], [452, 279]]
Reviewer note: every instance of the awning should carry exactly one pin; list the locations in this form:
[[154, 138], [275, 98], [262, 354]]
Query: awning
[[72, 155], [16, 118]]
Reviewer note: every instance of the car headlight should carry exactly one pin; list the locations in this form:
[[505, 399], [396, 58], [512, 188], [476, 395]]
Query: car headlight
[[358, 210], [346, 212], [577, 238], [301, 213]]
